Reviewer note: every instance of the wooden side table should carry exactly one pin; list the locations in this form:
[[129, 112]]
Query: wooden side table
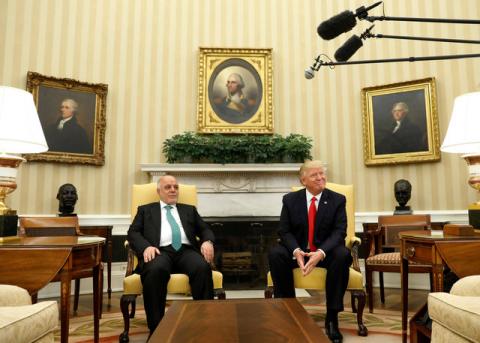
[[35, 261], [104, 231], [456, 252]]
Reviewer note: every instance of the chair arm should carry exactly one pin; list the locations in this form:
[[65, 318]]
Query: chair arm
[[468, 286], [14, 296], [353, 243], [132, 260]]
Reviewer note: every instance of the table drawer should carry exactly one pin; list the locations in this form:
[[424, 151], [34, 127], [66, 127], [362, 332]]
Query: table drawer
[[417, 252]]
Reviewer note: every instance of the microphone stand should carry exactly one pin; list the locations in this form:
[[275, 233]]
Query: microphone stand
[[447, 40], [318, 62], [423, 20]]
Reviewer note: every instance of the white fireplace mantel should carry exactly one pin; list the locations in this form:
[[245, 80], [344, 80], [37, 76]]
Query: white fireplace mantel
[[233, 189]]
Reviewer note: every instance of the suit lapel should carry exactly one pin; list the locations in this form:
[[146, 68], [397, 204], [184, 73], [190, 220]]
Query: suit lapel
[[156, 220], [321, 209], [303, 208]]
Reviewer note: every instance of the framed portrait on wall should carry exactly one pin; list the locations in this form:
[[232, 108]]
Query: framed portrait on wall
[[235, 91], [72, 114], [400, 123]]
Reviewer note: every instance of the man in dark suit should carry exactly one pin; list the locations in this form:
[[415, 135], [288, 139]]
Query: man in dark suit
[[312, 231], [163, 235]]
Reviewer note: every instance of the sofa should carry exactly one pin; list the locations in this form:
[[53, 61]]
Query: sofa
[[456, 315], [24, 322]]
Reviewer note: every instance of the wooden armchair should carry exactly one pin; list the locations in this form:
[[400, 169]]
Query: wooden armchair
[[55, 226], [178, 283], [317, 278], [384, 246]]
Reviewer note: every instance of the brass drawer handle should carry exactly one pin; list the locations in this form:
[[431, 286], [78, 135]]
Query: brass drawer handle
[[411, 251]]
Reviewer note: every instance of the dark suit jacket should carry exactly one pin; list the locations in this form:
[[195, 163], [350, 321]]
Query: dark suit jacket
[[330, 225], [146, 228]]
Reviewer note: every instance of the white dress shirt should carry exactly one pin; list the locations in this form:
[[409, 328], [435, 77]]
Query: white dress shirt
[[166, 235]]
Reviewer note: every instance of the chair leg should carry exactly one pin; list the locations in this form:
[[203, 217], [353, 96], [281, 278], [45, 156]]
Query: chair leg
[[219, 293], [431, 281], [76, 296], [268, 292], [353, 302], [125, 301], [358, 297], [382, 290], [369, 282], [134, 306]]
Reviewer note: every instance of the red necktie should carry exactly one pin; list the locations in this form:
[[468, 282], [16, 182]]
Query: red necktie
[[312, 212]]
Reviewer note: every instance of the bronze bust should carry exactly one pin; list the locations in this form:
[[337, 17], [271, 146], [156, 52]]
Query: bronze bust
[[403, 192], [67, 198]]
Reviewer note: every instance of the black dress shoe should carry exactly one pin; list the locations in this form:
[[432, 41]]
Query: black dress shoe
[[333, 333]]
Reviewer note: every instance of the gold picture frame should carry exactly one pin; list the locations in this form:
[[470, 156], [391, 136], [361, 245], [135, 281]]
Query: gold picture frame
[[223, 110], [400, 123], [77, 138]]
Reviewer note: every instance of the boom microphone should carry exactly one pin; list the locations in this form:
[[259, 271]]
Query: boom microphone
[[349, 48], [343, 22]]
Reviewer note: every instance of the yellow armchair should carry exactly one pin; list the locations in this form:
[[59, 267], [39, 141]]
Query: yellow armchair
[[317, 278], [178, 283]]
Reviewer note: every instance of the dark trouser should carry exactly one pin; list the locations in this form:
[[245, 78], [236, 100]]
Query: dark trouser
[[156, 273], [337, 263]]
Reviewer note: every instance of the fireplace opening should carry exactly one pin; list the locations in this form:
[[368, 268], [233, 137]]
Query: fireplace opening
[[241, 249]]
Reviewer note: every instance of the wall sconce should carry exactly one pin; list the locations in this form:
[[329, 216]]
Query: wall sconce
[[20, 133]]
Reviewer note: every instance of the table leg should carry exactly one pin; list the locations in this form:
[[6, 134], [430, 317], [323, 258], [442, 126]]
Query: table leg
[[65, 306], [437, 271], [96, 302], [109, 269], [404, 279]]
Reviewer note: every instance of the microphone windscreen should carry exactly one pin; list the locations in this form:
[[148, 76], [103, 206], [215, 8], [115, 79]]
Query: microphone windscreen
[[349, 48], [337, 25]]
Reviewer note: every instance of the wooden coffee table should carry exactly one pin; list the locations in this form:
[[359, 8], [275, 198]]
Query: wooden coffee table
[[245, 320]]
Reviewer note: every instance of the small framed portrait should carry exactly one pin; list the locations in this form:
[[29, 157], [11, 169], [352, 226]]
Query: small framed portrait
[[235, 91], [72, 114], [400, 123]]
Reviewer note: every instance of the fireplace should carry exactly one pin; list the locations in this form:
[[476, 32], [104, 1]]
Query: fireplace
[[241, 249]]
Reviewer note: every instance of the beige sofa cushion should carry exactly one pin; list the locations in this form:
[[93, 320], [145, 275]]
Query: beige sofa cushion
[[468, 286], [13, 295], [459, 314], [28, 323]]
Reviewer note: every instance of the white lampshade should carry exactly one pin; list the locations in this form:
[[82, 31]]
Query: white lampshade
[[20, 128], [463, 134]]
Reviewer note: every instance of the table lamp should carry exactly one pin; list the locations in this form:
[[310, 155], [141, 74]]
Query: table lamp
[[463, 137], [20, 133]]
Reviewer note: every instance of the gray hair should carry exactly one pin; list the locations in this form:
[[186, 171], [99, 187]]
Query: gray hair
[[402, 105], [238, 79], [72, 103]]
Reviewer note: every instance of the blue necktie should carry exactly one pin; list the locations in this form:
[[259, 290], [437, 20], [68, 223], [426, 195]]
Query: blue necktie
[[176, 237]]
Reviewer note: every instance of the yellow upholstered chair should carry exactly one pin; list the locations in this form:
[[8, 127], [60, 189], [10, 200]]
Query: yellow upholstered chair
[[178, 283], [317, 278]]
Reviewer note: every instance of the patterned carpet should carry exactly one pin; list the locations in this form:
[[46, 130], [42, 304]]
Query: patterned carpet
[[380, 323]]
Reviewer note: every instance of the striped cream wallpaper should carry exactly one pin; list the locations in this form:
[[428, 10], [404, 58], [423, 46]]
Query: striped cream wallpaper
[[146, 51]]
